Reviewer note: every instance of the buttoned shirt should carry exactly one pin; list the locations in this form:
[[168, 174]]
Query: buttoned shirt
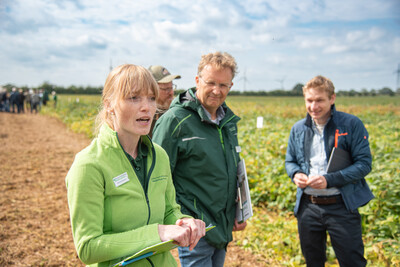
[[319, 162], [139, 163]]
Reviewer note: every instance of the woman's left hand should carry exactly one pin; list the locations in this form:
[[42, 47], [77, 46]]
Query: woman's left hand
[[197, 228]]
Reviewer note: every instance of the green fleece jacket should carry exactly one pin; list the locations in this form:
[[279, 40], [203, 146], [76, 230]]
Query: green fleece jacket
[[203, 158], [111, 215]]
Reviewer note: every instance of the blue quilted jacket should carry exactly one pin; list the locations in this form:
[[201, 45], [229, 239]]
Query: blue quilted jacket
[[349, 133]]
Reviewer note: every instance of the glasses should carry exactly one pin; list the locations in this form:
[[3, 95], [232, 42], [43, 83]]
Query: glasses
[[211, 84], [167, 89]]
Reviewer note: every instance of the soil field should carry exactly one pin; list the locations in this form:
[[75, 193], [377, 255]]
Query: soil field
[[36, 152]]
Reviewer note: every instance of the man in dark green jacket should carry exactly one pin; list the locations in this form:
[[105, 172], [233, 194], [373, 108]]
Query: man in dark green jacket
[[199, 133]]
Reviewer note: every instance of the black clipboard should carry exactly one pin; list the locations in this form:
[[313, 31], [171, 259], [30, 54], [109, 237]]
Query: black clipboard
[[338, 160]]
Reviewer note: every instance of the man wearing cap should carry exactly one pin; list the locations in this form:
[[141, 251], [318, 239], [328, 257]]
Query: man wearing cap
[[166, 93]]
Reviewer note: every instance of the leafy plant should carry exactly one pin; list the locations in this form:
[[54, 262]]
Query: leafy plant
[[272, 231]]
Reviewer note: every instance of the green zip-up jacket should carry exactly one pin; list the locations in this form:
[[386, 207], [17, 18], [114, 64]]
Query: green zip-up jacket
[[112, 216], [203, 158]]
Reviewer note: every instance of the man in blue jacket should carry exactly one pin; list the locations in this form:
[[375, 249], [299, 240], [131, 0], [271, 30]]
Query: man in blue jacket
[[328, 202]]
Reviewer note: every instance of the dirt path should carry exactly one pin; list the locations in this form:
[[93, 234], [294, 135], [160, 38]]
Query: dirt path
[[35, 154]]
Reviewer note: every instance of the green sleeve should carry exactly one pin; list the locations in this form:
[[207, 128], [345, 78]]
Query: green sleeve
[[85, 185], [165, 134], [172, 209]]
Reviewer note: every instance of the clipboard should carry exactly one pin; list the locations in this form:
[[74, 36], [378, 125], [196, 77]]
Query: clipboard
[[244, 208], [153, 250], [338, 160]]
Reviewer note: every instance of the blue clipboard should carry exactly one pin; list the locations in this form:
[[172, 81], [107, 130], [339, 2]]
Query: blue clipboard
[[152, 250], [124, 263]]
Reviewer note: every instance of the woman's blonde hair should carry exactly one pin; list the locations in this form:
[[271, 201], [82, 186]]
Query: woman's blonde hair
[[123, 82]]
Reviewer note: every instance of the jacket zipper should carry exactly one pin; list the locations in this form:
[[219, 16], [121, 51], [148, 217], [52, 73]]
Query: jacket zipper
[[153, 163], [221, 139], [149, 260]]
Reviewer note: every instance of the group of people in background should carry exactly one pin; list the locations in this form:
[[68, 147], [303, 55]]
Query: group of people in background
[[161, 170], [21, 101]]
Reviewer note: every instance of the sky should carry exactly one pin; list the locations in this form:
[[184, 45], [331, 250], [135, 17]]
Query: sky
[[277, 44]]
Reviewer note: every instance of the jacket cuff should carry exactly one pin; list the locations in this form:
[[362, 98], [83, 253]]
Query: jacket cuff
[[334, 179], [154, 231]]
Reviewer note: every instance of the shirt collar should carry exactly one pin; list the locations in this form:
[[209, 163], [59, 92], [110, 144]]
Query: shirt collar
[[220, 114], [142, 152]]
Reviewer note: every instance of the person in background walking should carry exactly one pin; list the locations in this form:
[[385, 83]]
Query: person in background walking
[[20, 101], [28, 99], [35, 102], [45, 97], [54, 98], [40, 93], [6, 101], [3, 99], [13, 100]]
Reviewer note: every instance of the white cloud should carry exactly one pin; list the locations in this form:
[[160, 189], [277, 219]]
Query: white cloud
[[336, 48], [72, 41]]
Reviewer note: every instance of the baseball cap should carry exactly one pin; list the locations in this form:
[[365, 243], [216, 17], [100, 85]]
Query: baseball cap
[[162, 75]]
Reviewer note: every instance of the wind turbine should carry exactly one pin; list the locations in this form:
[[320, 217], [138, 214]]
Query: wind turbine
[[281, 81], [245, 80], [398, 78]]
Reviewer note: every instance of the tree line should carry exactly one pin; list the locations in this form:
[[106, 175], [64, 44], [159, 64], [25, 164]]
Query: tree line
[[295, 91]]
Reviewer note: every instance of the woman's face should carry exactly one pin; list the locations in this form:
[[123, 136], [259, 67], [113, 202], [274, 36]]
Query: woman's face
[[133, 115]]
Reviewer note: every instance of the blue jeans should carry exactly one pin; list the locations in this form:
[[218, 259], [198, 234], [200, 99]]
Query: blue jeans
[[203, 255], [344, 228]]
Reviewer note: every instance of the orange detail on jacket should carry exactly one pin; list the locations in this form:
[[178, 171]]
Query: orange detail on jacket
[[337, 134]]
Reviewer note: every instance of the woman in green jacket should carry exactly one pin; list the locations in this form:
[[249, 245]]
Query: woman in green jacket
[[120, 191]]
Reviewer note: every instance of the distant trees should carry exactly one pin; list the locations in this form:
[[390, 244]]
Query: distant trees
[[297, 90], [364, 92], [386, 91]]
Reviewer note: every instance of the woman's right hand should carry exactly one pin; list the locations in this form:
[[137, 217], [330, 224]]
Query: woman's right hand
[[180, 234]]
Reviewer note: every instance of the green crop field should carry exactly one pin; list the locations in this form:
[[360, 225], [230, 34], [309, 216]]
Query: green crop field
[[272, 232]]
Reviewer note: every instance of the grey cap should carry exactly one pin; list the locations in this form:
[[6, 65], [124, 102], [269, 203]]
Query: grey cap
[[162, 75]]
